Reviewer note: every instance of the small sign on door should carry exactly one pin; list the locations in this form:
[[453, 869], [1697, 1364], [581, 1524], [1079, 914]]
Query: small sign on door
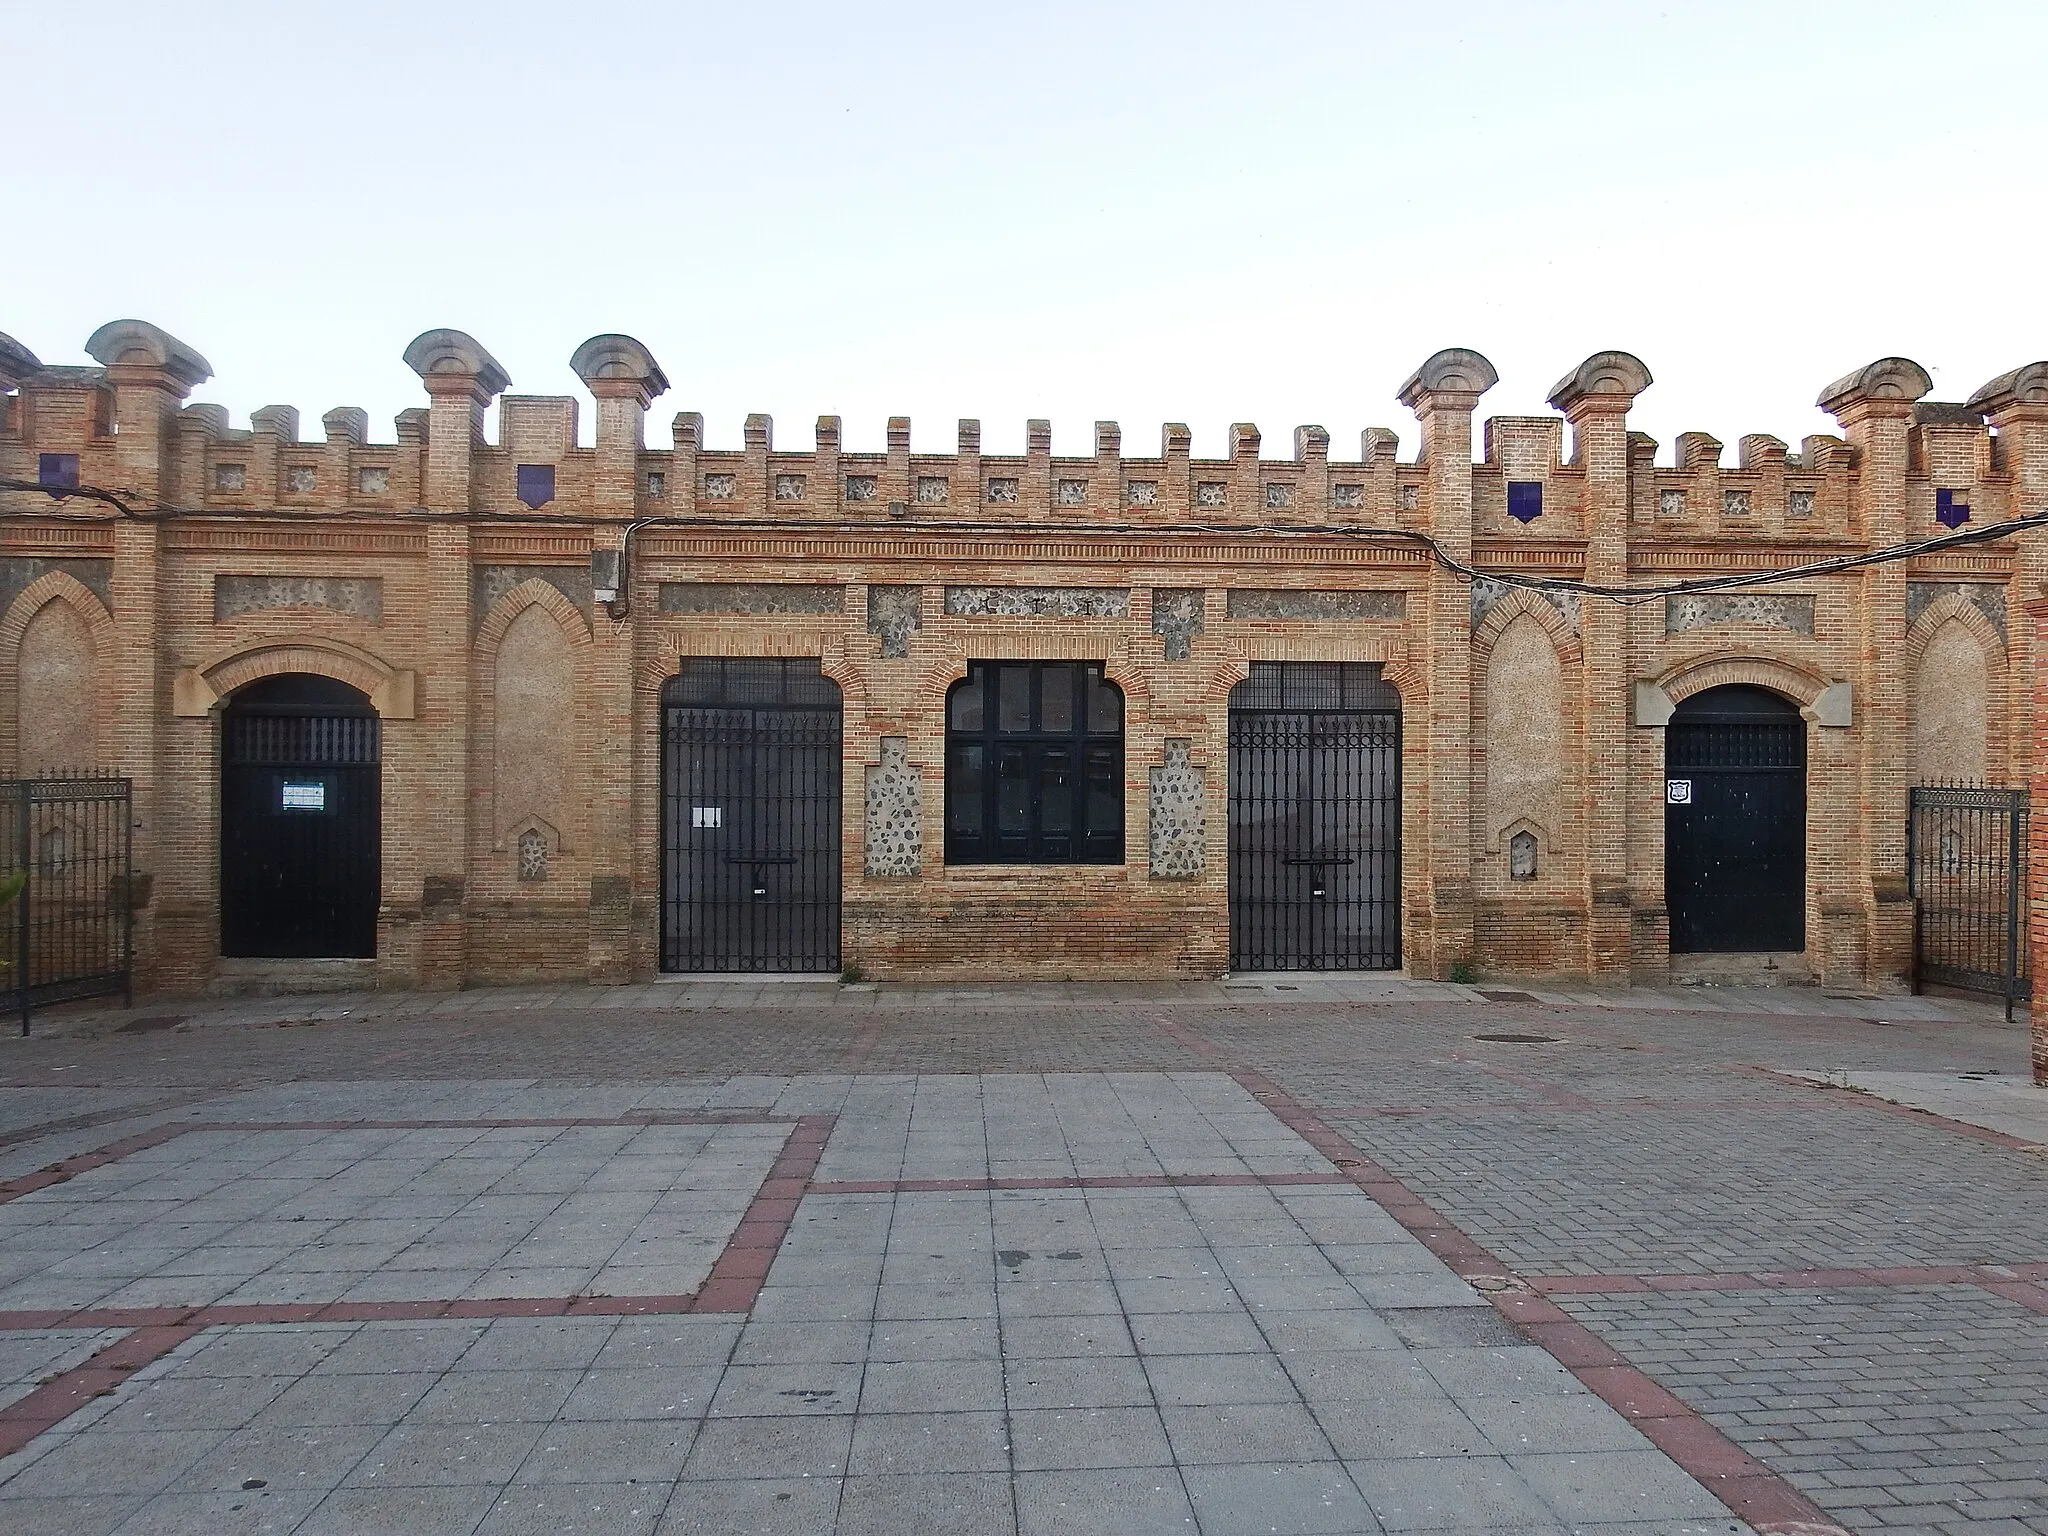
[[1678, 791], [707, 815], [303, 797]]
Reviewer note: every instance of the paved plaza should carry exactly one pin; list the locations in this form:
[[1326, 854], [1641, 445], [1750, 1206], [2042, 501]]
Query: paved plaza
[[1310, 1255]]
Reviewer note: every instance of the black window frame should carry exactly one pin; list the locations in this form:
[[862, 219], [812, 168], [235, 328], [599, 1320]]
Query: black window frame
[[1060, 772]]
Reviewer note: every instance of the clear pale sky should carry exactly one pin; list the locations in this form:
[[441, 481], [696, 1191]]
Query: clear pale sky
[[1139, 212]]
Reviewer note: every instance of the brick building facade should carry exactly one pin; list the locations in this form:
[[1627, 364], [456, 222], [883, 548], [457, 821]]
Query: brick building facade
[[530, 815]]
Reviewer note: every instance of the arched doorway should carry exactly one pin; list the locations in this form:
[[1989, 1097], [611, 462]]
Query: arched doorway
[[1315, 818], [300, 821], [750, 769], [1735, 823]]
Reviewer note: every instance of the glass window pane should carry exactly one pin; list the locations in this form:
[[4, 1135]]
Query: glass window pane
[[1105, 790], [1013, 707], [1056, 698], [1105, 703], [1055, 792], [967, 702], [964, 790], [1013, 791]]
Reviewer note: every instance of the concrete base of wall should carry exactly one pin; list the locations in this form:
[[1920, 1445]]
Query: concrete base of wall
[[1789, 968], [279, 978]]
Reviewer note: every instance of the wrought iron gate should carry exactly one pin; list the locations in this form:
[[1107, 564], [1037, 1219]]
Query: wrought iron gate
[[750, 816], [301, 845], [1735, 823], [70, 933], [1967, 870], [1315, 818]]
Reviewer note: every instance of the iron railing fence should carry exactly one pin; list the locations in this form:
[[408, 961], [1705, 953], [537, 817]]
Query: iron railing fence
[[71, 932], [1967, 872]]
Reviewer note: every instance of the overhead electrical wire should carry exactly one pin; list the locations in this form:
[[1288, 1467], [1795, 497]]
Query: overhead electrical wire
[[1304, 532]]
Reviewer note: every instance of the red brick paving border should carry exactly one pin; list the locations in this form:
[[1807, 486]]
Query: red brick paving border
[[733, 1285], [1749, 1488]]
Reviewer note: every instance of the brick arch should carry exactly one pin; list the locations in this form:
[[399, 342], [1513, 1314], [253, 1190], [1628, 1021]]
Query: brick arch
[[1133, 678], [1514, 606], [53, 587], [1954, 608], [531, 593], [388, 688], [1397, 665], [1794, 682], [834, 662]]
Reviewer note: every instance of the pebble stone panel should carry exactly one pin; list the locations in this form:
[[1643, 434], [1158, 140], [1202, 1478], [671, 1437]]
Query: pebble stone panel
[[750, 597], [895, 835], [16, 573], [1698, 612], [1038, 602], [1281, 603], [1177, 618], [359, 597], [1486, 593], [488, 583], [1987, 597], [893, 615], [1178, 849]]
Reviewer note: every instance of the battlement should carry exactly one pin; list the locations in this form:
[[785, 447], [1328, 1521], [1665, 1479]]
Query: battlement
[[1528, 482]]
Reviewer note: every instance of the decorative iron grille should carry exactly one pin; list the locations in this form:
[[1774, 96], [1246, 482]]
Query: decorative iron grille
[[70, 933], [1315, 818], [750, 798], [1967, 870]]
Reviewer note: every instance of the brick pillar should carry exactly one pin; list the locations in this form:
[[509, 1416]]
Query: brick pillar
[[1596, 398], [2016, 405], [625, 379], [177, 931], [421, 937], [1443, 393], [1860, 915]]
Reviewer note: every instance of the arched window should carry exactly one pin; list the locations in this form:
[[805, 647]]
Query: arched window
[[1034, 765]]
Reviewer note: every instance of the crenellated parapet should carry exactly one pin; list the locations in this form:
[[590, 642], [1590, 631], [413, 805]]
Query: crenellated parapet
[[1526, 488]]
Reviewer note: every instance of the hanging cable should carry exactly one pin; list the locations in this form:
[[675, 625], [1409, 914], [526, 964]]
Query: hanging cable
[[1629, 595]]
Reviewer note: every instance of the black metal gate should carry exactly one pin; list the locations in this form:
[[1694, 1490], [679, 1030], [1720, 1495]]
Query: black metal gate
[[1315, 818], [1735, 823], [1967, 870], [301, 817], [750, 816], [70, 932]]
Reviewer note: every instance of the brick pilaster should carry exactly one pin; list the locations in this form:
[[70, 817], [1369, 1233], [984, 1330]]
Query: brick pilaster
[[1443, 393]]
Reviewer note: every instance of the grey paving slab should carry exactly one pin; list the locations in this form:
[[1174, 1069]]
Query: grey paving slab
[[1129, 1359]]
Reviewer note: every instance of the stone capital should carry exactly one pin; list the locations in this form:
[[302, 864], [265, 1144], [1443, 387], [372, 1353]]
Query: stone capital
[[2021, 394], [136, 352], [615, 367], [1606, 383], [1885, 388], [450, 362], [17, 363], [1452, 380]]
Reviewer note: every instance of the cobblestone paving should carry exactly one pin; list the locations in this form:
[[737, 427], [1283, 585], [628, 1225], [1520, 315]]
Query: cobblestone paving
[[1916, 1408], [941, 1354]]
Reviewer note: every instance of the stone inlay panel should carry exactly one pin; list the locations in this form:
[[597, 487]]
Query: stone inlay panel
[[1700, 610], [1987, 597], [1038, 602], [893, 615], [488, 583], [750, 597], [359, 597], [1486, 593], [1179, 847], [895, 826], [1177, 618], [1282, 603]]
